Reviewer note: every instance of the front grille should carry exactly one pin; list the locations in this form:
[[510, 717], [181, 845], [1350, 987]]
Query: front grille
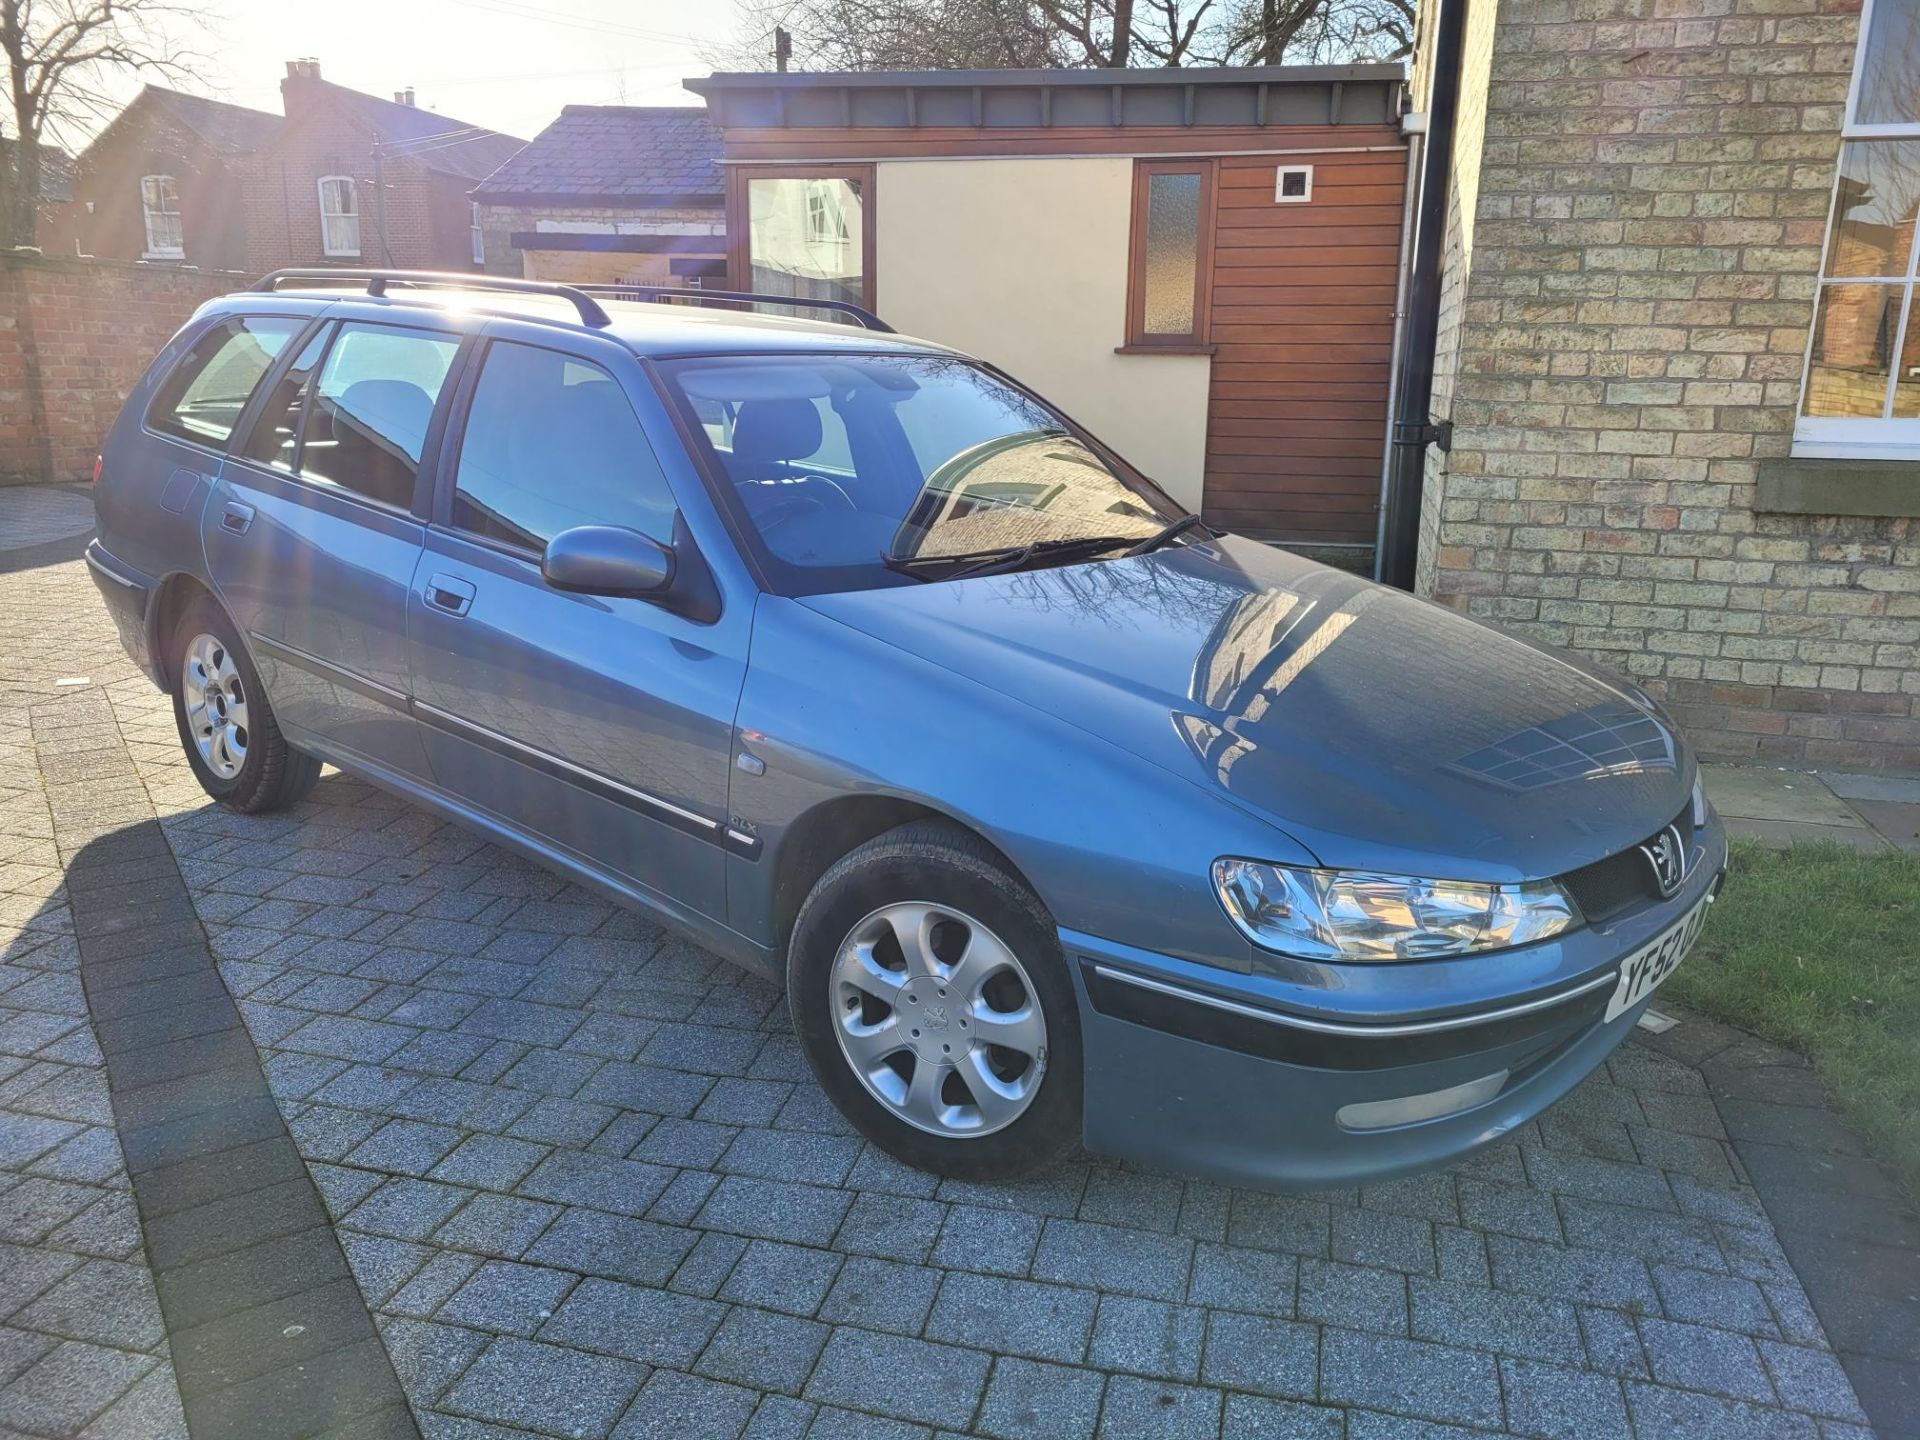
[[1612, 886]]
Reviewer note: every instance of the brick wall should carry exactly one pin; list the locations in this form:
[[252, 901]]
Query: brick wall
[[1652, 202], [74, 337]]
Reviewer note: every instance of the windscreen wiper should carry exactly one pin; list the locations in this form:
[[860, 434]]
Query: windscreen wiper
[[1166, 534]]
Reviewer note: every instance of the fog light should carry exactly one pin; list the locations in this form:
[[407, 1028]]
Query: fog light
[[1412, 1109]]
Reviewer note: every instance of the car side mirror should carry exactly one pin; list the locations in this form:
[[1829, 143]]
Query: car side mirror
[[607, 560]]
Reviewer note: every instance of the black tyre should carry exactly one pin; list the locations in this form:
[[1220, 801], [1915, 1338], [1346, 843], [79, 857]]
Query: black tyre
[[226, 725], [930, 995]]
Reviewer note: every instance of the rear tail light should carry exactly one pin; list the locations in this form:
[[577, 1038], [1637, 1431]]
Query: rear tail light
[[98, 461]]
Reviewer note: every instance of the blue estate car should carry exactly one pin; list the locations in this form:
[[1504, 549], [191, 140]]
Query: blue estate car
[[1059, 816]]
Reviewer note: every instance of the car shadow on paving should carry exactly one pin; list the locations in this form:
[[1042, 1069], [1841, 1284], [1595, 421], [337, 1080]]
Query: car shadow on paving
[[585, 1186]]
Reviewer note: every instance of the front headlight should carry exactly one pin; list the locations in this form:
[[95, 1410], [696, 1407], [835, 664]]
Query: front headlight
[[1353, 915]]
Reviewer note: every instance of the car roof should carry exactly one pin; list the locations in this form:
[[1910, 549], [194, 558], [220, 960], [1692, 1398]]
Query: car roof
[[650, 329]]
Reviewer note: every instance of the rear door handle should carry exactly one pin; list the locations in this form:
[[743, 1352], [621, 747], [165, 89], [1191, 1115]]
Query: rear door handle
[[235, 517], [448, 594]]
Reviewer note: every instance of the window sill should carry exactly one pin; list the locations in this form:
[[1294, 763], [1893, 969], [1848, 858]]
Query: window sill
[[1808, 486], [1165, 349], [164, 255]]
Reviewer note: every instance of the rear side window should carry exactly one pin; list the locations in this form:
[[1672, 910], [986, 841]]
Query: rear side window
[[367, 422], [203, 397], [551, 442]]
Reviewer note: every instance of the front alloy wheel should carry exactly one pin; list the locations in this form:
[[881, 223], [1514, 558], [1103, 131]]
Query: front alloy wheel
[[939, 1019], [933, 1002]]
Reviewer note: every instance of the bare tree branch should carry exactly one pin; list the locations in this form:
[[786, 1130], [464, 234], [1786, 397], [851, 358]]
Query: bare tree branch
[[56, 53]]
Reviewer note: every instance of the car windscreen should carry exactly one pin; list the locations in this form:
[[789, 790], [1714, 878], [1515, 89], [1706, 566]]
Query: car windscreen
[[848, 472]]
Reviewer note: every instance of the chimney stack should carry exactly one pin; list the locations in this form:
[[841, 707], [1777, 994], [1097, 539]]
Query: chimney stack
[[403, 97], [306, 68]]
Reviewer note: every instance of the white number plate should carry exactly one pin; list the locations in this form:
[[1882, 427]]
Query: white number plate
[[1642, 972]]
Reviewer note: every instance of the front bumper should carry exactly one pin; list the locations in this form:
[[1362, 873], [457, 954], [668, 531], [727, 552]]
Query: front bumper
[[1199, 1070]]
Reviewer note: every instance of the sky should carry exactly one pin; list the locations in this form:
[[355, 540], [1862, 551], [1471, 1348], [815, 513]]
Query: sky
[[506, 64]]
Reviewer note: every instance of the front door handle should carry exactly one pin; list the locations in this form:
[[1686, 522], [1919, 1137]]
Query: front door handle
[[235, 517], [445, 593]]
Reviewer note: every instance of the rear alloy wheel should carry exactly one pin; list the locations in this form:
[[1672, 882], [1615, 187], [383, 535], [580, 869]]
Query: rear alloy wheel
[[227, 728], [216, 702], [933, 1003], [939, 1020]]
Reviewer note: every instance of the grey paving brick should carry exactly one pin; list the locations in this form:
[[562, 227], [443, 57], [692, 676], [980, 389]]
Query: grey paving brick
[[777, 1276], [1148, 1337], [62, 1391], [624, 1187], [673, 1406], [999, 1242], [684, 1197], [1811, 1380], [1233, 1278], [407, 1209], [615, 1246], [489, 1162], [1555, 1403], [1132, 1199], [427, 1357], [656, 1090], [404, 1147], [545, 1387], [773, 1210], [1706, 1298], [1613, 1342], [430, 1286], [1599, 1277], [1261, 1354], [831, 1423], [502, 1225], [1657, 1410], [1013, 1317], [1509, 1209], [1254, 1417], [1700, 1358], [1621, 1228], [691, 1143], [1394, 1242], [1158, 1410], [653, 1326], [709, 1263], [1353, 1296], [381, 1265], [764, 1350], [1296, 1224], [1514, 1324], [1128, 1262], [1411, 1377], [881, 1295], [891, 1226], [894, 1376], [1027, 1400], [107, 1302], [509, 1297]]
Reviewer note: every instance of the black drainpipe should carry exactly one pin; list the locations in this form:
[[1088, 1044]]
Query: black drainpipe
[[1413, 429]]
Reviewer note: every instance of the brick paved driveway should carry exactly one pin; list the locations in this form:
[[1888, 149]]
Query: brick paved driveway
[[586, 1187]]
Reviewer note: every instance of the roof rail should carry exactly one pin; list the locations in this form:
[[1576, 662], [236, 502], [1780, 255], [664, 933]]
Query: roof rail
[[377, 282], [666, 294]]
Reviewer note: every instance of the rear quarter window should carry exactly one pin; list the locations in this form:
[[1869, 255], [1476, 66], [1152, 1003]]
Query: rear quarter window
[[202, 399]]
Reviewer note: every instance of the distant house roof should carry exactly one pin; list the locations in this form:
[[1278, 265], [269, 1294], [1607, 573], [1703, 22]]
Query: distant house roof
[[437, 142], [230, 129], [633, 155]]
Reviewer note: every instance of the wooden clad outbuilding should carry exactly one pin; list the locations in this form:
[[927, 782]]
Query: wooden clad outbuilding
[[1199, 265]]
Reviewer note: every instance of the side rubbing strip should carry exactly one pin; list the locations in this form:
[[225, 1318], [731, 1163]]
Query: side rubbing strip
[[347, 679], [734, 841], [652, 806]]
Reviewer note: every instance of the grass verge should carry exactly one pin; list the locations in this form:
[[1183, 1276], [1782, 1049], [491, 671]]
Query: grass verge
[[1817, 948]]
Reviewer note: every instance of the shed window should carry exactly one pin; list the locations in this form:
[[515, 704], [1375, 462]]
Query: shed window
[[479, 238], [1861, 399], [1171, 253], [339, 215], [807, 232], [160, 203]]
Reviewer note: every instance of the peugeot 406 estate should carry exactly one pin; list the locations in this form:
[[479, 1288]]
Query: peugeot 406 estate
[[1061, 817]]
